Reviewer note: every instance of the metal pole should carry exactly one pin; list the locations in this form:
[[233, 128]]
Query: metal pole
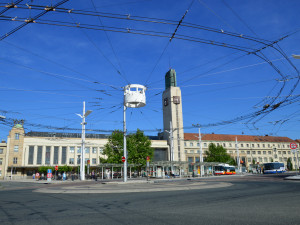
[[82, 167], [298, 161], [237, 154], [201, 153], [125, 150]]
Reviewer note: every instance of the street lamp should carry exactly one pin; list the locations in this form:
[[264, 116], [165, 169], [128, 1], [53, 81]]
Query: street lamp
[[296, 56], [82, 161]]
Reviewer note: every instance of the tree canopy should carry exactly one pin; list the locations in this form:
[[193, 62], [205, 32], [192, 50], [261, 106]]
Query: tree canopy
[[218, 154], [138, 148]]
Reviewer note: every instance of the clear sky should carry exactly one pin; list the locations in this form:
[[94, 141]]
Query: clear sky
[[48, 68]]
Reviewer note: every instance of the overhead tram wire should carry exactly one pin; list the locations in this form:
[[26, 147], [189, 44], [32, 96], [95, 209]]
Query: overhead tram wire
[[62, 65], [171, 38], [97, 48], [10, 6], [31, 20], [111, 46], [147, 20], [142, 32]]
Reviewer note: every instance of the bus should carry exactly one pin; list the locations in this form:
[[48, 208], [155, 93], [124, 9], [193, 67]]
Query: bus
[[224, 170], [274, 167]]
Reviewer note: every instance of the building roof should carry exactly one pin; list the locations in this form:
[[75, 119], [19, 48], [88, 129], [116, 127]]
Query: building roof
[[231, 137]]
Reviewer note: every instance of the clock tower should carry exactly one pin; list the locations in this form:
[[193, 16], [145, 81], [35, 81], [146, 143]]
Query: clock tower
[[172, 117]]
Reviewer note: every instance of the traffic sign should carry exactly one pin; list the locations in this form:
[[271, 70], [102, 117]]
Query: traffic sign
[[293, 145], [56, 168], [123, 159]]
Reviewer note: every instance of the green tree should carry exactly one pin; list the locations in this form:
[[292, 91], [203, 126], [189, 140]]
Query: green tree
[[64, 168], [289, 164], [113, 150], [138, 148], [218, 154], [44, 169]]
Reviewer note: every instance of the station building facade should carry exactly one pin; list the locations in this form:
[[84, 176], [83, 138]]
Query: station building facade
[[3, 147], [25, 152]]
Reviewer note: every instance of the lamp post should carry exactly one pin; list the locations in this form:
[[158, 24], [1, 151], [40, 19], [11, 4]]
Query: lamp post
[[296, 56], [82, 161]]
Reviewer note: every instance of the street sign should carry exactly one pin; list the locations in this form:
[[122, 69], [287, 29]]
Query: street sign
[[123, 159], [148, 158], [56, 168], [293, 145]]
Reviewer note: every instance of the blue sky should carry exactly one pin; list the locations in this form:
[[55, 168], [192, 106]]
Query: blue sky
[[47, 71]]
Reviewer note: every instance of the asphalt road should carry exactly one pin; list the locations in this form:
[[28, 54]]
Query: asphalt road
[[257, 199]]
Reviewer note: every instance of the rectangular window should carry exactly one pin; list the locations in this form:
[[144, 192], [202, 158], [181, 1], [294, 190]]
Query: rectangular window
[[1, 150], [78, 160], [242, 151], [78, 149], [278, 145], [94, 161], [205, 144], [252, 145], [254, 159], [39, 155], [198, 144], [253, 152], [258, 145], [198, 151], [249, 160], [94, 150], [191, 144], [279, 152], [72, 149], [284, 152], [191, 151], [16, 148], [64, 155], [185, 144], [17, 136], [259, 159], [1, 160], [230, 145], [47, 158], [30, 155], [247, 145], [87, 150], [269, 145], [101, 150], [224, 145], [242, 145], [265, 159], [55, 156], [230, 152], [264, 152], [269, 152], [263, 145], [285, 159], [248, 152], [280, 159], [71, 161], [259, 152], [15, 160]]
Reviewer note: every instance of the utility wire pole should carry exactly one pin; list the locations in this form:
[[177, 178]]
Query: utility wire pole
[[201, 154], [82, 162], [237, 155]]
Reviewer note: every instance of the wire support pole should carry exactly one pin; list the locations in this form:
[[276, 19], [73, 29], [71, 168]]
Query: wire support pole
[[82, 163], [201, 153], [237, 155], [124, 144]]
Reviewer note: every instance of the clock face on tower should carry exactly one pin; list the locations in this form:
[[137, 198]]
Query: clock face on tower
[[166, 102]]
